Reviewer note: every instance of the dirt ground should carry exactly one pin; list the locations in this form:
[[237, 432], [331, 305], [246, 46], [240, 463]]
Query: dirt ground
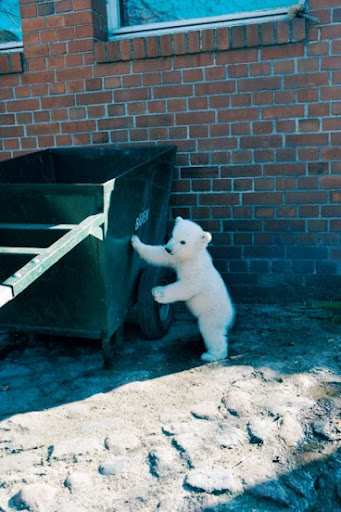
[[161, 431]]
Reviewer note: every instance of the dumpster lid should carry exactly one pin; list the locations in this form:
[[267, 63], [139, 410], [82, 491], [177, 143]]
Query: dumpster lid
[[82, 164]]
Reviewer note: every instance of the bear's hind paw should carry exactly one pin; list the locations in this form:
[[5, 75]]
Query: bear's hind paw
[[208, 357]]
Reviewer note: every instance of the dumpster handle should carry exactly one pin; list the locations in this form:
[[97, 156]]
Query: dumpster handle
[[47, 257]]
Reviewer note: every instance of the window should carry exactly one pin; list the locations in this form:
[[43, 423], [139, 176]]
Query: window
[[10, 25], [143, 17]]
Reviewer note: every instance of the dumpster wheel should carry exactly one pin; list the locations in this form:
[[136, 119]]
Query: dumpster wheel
[[154, 319]]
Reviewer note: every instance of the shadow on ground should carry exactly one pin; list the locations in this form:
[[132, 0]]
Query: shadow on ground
[[314, 487], [44, 372]]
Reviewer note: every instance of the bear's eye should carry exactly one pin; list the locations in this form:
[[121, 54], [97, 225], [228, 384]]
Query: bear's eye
[[182, 242]]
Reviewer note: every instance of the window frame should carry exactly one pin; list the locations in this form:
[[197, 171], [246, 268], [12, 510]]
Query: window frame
[[115, 31], [12, 46]]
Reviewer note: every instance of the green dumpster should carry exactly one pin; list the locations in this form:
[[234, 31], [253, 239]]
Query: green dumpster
[[66, 219]]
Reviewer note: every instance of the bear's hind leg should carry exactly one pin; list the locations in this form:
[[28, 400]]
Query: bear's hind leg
[[215, 339]]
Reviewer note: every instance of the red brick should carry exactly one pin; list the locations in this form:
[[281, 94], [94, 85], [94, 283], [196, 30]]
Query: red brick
[[238, 36], [4, 64], [268, 33], [241, 155], [218, 144], [282, 32], [330, 93], [81, 46], [172, 91], [262, 198], [190, 75], [208, 40], [208, 88], [259, 84], [263, 98], [264, 212], [193, 42], [242, 184], [241, 129], [193, 61], [223, 38], [33, 24], [306, 95], [100, 52], [238, 70], [240, 100], [245, 114], [252, 35], [79, 126], [11, 131], [219, 199], [155, 120], [315, 139], [306, 80], [318, 49], [148, 65], [172, 77], [165, 42], [152, 47], [179, 43], [125, 49], [284, 66], [282, 52], [258, 69], [309, 125], [23, 105], [306, 197], [16, 62], [298, 29], [266, 155], [283, 112], [195, 118], [261, 142], [93, 98], [73, 74], [42, 129]]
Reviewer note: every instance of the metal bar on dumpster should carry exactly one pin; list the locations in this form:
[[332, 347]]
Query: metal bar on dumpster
[[97, 232], [21, 250], [37, 227], [51, 255]]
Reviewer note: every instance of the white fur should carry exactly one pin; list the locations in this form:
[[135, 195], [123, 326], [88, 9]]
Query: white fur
[[199, 284]]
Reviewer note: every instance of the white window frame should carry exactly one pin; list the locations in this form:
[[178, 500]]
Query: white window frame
[[12, 46], [115, 31]]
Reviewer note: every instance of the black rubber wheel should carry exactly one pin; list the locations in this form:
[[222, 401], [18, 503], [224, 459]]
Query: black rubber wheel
[[154, 319]]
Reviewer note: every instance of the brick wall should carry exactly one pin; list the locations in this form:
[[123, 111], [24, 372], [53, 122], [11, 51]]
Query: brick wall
[[255, 113]]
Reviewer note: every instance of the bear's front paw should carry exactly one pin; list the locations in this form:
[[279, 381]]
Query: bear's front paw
[[159, 294], [135, 242]]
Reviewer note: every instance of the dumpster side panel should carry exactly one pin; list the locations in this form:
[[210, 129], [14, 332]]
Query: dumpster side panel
[[138, 205]]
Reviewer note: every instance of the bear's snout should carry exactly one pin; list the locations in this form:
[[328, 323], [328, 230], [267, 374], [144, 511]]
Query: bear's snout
[[168, 250]]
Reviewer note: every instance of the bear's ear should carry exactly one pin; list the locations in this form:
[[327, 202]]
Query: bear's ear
[[206, 237], [178, 219]]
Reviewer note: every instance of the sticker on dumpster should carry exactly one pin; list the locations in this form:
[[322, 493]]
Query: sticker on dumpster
[[141, 219]]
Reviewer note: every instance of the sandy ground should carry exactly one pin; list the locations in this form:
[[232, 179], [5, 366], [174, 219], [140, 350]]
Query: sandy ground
[[161, 431]]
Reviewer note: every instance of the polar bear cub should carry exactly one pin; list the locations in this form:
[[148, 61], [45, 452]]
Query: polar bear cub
[[199, 284]]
